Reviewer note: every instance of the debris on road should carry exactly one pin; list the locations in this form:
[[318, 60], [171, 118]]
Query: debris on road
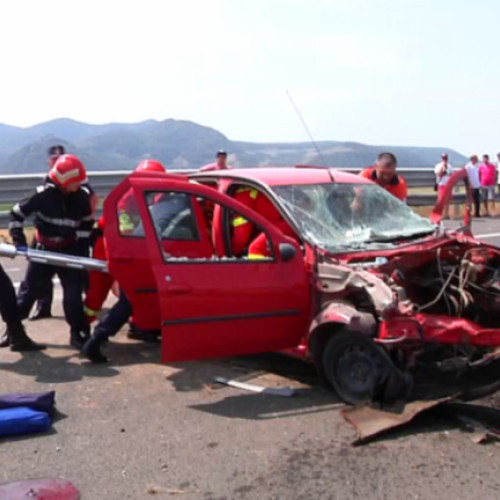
[[48, 489], [156, 490], [273, 391], [371, 422]]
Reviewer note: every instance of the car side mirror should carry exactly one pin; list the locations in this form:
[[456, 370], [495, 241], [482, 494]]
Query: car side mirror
[[287, 251]]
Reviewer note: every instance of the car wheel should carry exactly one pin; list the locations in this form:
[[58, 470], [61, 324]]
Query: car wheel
[[355, 367]]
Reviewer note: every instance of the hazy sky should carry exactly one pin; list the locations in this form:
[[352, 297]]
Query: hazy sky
[[422, 72]]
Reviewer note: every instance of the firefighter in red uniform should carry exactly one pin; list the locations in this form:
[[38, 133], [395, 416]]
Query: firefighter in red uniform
[[101, 283], [259, 247], [242, 229]]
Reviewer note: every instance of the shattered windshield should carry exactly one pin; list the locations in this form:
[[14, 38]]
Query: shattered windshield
[[350, 216]]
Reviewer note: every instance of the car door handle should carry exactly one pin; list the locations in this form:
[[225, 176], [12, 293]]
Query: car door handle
[[179, 289]]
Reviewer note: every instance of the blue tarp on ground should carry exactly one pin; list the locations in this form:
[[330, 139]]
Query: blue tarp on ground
[[23, 420], [38, 401]]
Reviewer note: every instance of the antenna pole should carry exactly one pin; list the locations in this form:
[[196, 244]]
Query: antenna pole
[[306, 128]]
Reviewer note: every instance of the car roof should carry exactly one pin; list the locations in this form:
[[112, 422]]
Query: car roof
[[284, 176]]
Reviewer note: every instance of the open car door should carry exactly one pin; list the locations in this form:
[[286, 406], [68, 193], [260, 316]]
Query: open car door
[[446, 196], [212, 305]]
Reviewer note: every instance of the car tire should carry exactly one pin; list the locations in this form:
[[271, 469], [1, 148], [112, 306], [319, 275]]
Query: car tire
[[357, 368]]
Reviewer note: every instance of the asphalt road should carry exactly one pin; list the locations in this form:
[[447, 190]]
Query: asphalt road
[[138, 429]]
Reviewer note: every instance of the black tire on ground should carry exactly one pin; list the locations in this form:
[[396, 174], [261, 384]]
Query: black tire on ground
[[356, 367]]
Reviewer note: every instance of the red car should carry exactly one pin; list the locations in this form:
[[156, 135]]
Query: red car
[[358, 283]]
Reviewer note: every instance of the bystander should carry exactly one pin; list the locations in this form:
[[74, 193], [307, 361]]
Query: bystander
[[473, 173], [488, 177]]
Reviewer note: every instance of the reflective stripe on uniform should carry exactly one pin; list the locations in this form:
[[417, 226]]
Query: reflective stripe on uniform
[[17, 210], [58, 222], [90, 312], [83, 234], [125, 222], [253, 192], [239, 221], [256, 256], [13, 225]]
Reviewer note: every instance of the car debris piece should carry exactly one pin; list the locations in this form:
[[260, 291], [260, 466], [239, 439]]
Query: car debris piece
[[273, 391], [371, 422], [46, 489]]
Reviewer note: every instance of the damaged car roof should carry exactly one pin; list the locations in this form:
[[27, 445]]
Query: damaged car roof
[[282, 176]]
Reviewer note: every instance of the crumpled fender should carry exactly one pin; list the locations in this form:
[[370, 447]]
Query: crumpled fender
[[344, 313]]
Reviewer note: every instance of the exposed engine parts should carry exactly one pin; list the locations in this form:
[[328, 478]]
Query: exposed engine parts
[[463, 284]]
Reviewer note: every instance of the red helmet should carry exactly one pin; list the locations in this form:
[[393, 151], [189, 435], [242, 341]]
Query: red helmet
[[67, 170], [150, 166]]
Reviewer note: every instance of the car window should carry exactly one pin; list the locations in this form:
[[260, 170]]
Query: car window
[[192, 228], [172, 215]]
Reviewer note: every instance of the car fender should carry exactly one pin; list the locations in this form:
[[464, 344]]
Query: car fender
[[336, 316]]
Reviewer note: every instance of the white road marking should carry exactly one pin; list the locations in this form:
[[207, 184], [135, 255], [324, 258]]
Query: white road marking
[[484, 236]]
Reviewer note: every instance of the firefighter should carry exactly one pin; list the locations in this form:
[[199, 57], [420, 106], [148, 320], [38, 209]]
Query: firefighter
[[46, 290], [259, 246], [15, 335], [101, 283], [241, 228], [63, 220]]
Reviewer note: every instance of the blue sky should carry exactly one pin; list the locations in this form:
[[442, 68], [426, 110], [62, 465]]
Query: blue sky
[[401, 72]]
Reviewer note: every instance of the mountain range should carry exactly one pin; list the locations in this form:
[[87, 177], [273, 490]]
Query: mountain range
[[183, 144]]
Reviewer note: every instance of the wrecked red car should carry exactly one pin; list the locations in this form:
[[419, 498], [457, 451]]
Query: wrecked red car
[[353, 279]]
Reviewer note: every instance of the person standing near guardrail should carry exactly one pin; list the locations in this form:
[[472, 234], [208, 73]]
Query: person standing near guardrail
[[488, 177], [220, 163], [443, 171], [498, 172], [473, 173], [63, 222], [384, 174]]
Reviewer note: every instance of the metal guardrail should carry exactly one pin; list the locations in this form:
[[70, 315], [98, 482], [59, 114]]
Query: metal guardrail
[[16, 187]]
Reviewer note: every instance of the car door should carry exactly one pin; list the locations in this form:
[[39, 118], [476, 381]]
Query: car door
[[211, 305], [128, 254], [446, 196]]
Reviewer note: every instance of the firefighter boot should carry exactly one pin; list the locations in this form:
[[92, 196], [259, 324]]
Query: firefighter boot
[[78, 337], [19, 340], [92, 348]]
